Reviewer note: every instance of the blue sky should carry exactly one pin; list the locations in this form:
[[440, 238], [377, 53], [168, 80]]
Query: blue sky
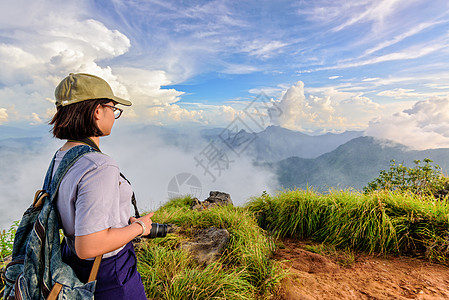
[[379, 65]]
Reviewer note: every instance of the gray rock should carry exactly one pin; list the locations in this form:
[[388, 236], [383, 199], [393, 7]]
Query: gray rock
[[207, 245], [215, 199], [219, 198]]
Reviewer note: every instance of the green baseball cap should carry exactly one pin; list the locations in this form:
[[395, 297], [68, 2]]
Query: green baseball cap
[[81, 87]]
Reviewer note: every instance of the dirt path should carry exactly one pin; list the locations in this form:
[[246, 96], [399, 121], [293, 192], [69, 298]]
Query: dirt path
[[314, 276]]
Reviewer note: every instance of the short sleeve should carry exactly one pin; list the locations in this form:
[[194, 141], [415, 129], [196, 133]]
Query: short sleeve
[[98, 199]]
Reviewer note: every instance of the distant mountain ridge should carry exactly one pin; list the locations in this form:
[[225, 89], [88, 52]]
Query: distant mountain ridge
[[352, 164], [276, 143]]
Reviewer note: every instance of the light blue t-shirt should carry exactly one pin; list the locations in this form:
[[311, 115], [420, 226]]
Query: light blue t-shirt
[[92, 197]]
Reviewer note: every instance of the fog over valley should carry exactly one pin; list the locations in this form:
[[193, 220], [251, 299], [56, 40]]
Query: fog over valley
[[150, 161]]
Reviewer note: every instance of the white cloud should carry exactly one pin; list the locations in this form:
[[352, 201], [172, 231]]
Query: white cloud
[[333, 111], [3, 115], [415, 30], [145, 87], [370, 79], [239, 69], [412, 52], [274, 92], [264, 49], [195, 113], [424, 126], [401, 93], [334, 77], [437, 86], [37, 56], [35, 119], [377, 11], [172, 114]]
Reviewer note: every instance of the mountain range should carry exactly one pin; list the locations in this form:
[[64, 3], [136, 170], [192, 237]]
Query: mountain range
[[352, 164], [276, 143]]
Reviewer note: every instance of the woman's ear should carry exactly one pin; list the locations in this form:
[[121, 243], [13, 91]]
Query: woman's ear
[[98, 112]]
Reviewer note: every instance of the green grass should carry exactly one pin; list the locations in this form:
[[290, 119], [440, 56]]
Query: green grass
[[169, 273], [380, 222], [245, 270], [340, 223]]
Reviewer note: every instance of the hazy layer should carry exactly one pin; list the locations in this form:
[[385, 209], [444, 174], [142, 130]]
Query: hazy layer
[[149, 158]]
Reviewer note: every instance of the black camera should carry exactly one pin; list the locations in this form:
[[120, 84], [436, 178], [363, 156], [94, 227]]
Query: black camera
[[158, 230]]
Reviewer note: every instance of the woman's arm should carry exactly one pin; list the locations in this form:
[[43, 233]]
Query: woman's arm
[[101, 242]]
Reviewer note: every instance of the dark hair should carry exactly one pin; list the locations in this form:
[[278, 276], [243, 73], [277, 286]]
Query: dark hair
[[76, 121]]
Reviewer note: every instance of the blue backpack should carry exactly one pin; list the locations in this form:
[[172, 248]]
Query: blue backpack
[[37, 270]]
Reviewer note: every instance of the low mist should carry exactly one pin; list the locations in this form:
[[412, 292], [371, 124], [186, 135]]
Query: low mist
[[153, 159]]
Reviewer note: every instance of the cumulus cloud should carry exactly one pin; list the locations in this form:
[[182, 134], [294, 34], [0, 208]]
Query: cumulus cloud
[[145, 87], [424, 126], [334, 111], [37, 52]]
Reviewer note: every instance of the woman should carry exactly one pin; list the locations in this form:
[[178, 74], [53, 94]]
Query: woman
[[93, 199]]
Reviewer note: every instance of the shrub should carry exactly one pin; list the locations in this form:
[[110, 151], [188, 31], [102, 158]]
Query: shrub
[[421, 179], [7, 240]]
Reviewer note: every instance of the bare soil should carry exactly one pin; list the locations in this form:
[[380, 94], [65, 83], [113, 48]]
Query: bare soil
[[314, 276]]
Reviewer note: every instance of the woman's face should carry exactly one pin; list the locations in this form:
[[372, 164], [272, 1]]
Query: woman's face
[[105, 118]]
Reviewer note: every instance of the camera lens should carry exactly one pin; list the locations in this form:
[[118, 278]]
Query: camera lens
[[158, 230]]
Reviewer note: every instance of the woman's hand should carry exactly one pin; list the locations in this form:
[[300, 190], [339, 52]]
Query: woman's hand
[[146, 220]]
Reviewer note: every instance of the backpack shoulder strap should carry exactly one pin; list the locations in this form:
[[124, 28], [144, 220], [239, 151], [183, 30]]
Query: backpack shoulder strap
[[69, 159]]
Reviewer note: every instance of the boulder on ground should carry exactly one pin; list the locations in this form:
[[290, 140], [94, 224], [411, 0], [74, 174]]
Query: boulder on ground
[[215, 199], [207, 245]]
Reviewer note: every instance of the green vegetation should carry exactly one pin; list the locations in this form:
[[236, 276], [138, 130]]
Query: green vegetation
[[6, 244], [7, 240], [381, 222], [340, 222], [245, 270], [420, 180]]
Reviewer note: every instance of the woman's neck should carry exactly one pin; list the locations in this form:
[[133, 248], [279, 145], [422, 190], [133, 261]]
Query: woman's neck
[[70, 144]]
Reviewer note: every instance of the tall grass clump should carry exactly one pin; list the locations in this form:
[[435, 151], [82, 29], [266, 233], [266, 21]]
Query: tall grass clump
[[380, 222], [244, 271]]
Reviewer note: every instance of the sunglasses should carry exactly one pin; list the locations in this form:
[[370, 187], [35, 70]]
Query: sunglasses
[[117, 111]]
